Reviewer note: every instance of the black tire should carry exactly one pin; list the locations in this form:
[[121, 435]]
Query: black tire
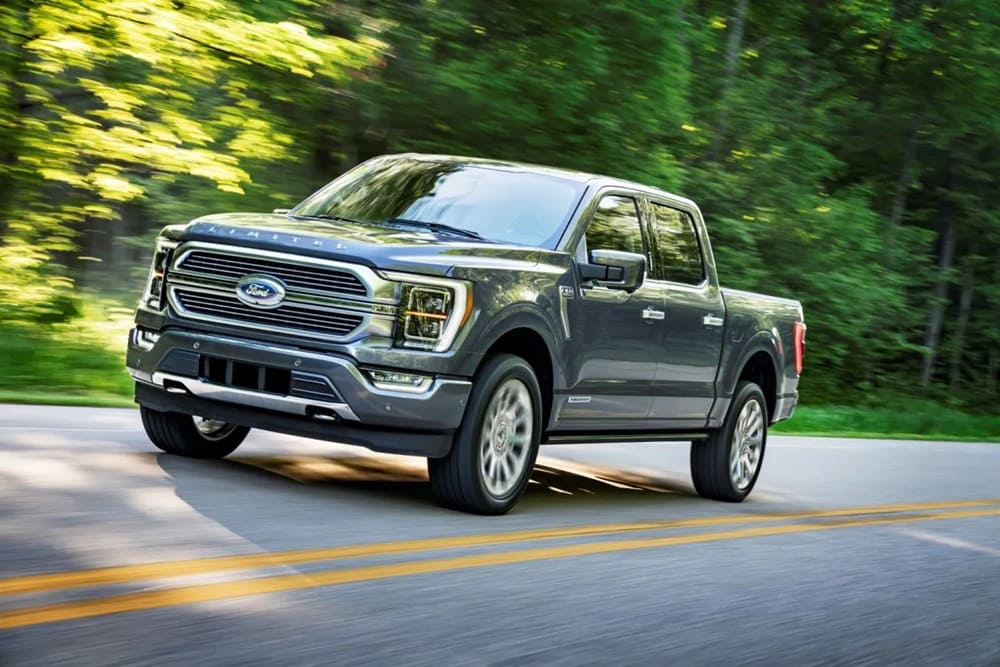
[[176, 433], [458, 480], [711, 459]]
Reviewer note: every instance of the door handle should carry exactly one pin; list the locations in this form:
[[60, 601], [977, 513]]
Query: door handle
[[653, 314], [712, 320]]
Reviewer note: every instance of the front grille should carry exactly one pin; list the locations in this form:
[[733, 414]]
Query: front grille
[[245, 376], [264, 379], [287, 316], [301, 276]]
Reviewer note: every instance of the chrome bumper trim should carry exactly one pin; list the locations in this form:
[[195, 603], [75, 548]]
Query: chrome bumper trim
[[257, 399]]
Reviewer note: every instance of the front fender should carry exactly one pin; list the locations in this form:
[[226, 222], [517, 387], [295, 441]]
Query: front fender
[[519, 316]]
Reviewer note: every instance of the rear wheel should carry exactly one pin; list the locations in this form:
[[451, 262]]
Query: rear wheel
[[491, 459], [725, 466], [196, 437]]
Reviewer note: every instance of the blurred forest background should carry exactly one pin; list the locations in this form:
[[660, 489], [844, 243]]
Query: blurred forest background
[[845, 152]]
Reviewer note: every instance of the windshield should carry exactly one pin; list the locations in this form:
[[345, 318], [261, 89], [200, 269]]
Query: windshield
[[496, 202]]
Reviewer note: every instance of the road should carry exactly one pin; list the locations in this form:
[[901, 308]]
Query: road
[[296, 552]]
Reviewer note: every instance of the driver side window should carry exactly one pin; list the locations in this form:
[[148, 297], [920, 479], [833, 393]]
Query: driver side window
[[614, 226]]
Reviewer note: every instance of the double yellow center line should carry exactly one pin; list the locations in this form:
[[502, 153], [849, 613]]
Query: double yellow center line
[[790, 522]]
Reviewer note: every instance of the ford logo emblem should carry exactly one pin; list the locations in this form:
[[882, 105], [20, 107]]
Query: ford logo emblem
[[260, 291]]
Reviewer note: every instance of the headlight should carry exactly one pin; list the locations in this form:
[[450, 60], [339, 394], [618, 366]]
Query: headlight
[[431, 311], [153, 296]]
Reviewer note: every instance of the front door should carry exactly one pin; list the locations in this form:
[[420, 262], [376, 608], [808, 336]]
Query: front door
[[615, 336]]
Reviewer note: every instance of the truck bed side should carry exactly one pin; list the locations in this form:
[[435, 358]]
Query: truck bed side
[[757, 324]]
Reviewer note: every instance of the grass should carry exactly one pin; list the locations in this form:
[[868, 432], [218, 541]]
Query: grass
[[82, 362], [82, 400], [917, 420]]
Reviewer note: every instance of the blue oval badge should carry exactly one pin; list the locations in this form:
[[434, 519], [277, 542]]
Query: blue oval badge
[[261, 291]]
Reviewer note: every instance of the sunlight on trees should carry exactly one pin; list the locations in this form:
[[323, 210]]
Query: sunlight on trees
[[844, 153]]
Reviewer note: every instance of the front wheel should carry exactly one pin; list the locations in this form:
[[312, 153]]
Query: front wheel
[[725, 466], [195, 437], [493, 454]]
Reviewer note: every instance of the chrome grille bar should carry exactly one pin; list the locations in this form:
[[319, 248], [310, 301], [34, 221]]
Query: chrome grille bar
[[330, 300], [314, 278], [282, 316]]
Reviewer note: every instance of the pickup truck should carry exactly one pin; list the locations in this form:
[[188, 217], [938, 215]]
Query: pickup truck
[[467, 311]]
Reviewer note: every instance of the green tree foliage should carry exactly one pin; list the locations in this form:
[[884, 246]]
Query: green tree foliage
[[844, 152], [107, 104]]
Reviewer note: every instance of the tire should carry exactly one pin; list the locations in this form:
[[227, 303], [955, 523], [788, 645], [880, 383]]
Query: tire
[[504, 411], [180, 434], [714, 471]]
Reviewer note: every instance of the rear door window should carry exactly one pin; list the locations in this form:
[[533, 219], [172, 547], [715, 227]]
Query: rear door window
[[676, 248]]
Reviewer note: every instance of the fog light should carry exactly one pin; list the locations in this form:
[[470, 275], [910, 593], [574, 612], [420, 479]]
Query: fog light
[[144, 339], [395, 381]]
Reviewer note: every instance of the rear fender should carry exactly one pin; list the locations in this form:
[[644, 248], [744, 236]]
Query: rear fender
[[763, 341]]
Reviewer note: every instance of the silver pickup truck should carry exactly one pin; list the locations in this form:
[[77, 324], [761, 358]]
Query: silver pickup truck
[[466, 311]]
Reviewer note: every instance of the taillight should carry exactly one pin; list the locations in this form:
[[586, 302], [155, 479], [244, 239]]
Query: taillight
[[799, 336]]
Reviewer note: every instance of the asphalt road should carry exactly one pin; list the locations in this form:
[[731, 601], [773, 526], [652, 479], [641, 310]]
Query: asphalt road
[[292, 552]]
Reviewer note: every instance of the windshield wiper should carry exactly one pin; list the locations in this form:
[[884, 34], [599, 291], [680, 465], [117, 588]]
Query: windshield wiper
[[332, 217], [433, 226], [437, 227]]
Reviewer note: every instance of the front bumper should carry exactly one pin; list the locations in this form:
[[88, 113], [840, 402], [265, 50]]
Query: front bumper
[[329, 396]]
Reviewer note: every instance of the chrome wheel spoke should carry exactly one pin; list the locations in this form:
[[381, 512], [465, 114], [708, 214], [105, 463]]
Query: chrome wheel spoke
[[747, 444], [505, 437], [212, 429]]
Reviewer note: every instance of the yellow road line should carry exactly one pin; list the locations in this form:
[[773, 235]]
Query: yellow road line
[[64, 611], [40, 583]]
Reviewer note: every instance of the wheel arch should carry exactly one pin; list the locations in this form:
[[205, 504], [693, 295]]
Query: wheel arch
[[759, 366], [525, 335]]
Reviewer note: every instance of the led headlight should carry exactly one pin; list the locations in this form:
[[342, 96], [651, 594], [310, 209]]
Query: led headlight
[[153, 296], [431, 311], [425, 314]]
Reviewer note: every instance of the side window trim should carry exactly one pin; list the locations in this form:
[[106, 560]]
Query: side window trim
[[651, 203]]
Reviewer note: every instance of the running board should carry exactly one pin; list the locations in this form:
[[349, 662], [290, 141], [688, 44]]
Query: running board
[[571, 438]]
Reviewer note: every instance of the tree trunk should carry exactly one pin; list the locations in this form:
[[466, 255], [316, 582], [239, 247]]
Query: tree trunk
[[882, 66], [814, 25], [991, 372], [732, 59], [903, 183], [13, 70], [933, 337], [964, 309]]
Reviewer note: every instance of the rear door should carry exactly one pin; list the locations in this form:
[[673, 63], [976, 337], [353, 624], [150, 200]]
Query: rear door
[[684, 380]]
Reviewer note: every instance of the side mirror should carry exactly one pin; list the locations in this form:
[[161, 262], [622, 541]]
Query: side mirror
[[281, 211], [615, 269]]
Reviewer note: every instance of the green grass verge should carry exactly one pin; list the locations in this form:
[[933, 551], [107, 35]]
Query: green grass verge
[[80, 362], [916, 420], [84, 400]]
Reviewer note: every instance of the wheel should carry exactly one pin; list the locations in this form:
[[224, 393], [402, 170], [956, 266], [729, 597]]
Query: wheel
[[184, 435], [725, 466], [491, 459]]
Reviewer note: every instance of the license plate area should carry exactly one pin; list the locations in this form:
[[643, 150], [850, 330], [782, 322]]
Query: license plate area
[[243, 375]]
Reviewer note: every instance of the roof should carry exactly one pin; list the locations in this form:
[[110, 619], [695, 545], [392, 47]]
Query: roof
[[597, 180]]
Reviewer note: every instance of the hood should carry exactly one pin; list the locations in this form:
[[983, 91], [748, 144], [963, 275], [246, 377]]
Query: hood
[[377, 246]]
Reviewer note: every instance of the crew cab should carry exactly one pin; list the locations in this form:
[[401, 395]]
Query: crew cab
[[467, 311]]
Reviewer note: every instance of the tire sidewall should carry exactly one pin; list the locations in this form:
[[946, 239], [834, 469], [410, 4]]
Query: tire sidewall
[[745, 392], [496, 372]]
